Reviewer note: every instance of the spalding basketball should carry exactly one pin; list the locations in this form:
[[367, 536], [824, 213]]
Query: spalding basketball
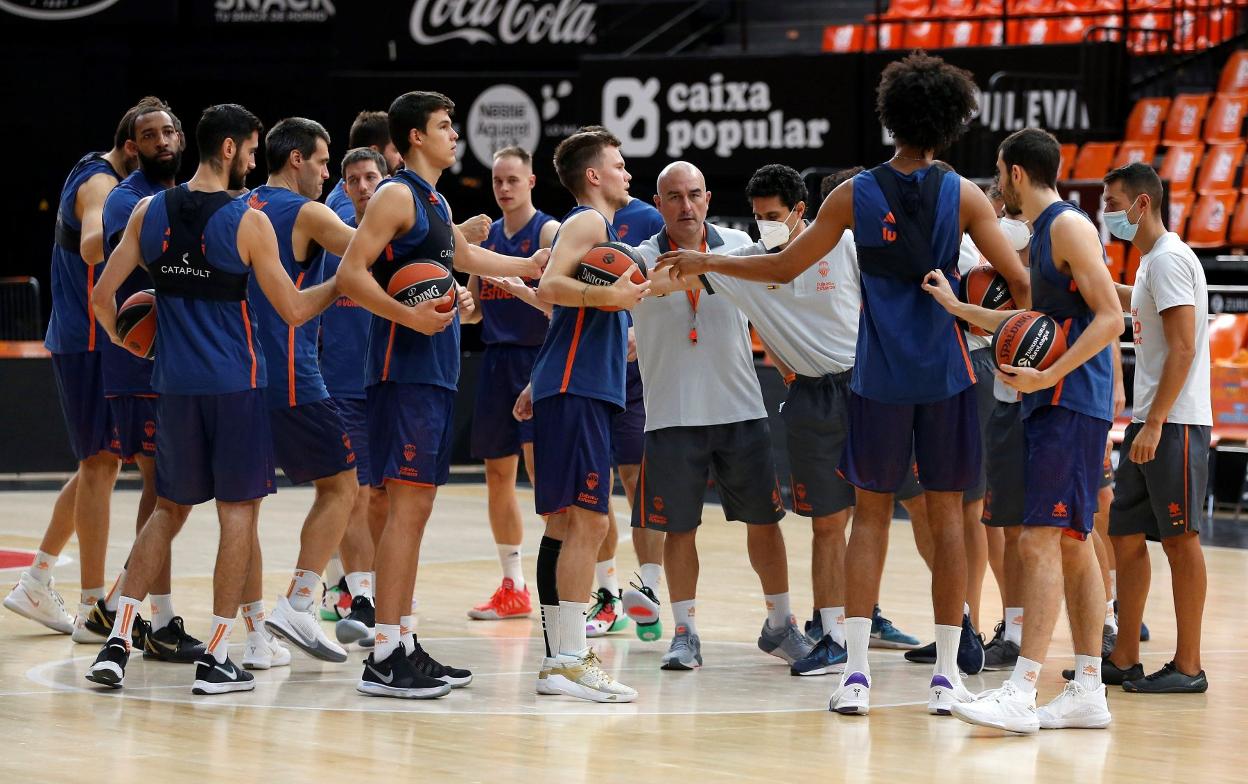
[[1028, 339], [421, 281], [984, 287], [606, 262], [136, 323]]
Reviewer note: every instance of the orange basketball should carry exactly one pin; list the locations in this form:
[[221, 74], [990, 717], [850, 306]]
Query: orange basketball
[[606, 262], [1028, 339], [421, 281], [984, 287], [136, 323]]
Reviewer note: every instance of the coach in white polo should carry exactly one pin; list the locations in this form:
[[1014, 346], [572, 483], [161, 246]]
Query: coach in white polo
[[705, 419]]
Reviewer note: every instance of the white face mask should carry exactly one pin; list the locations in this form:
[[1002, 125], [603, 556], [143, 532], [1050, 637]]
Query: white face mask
[[773, 234], [1016, 232]]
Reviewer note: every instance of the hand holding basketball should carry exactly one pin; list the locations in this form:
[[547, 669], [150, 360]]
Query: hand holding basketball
[[685, 263], [1025, 379], [625, 294], [936, 284], [426, 317]]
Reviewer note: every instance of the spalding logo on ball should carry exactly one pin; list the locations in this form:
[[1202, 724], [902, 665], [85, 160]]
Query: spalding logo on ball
[[605, 263], [984, 287], [420, 282], [1028, 339], [136, 323]]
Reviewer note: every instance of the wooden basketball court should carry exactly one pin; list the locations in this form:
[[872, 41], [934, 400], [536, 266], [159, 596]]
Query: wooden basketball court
[[740, 718]]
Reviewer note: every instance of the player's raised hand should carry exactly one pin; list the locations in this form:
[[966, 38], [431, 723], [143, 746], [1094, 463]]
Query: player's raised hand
[[684, 263]]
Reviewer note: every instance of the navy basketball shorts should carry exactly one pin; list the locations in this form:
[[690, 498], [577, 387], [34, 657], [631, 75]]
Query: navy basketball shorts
[[310, 441], [572, 453], [354, 414], [505, 371], [816, 422], [1064, 454], [134, 426], [80, 382], [680, 461], [410, 428], [628, 428], [213, 446], [944, 436], [983, 363], [1163, 497], [1005, 465]]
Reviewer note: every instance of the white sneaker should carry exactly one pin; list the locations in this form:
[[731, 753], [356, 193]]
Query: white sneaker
[[1006, 708], [304, 631], [264, 651], [943, 694], [543, 676], [853, 696], [40, 603], [1076, 708], [81, 633], [583, 678]]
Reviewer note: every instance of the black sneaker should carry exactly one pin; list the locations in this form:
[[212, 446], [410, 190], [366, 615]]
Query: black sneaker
[[428, 666], [359, 624], [924, 655], [970, 649], [172, 644], [101, 619], [1000, 653], [109, 668], [395, 676], [814, 628], [1168, 680], [1109, 638], [212, 677], [1112, 674]]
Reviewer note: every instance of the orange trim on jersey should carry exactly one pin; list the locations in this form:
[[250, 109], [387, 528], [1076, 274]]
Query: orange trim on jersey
[[90, 313], [385, 366], [1057, 391], [966, 357], [406, 482], [251, 349], [576, 339], [290, 352]]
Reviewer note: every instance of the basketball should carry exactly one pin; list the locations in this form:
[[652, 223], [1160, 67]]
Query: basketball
[[606, 262], [136, 323], [984, 287], [420, 281], [1028, 339]]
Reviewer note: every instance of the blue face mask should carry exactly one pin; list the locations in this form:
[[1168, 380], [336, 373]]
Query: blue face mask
[[1120, 225]]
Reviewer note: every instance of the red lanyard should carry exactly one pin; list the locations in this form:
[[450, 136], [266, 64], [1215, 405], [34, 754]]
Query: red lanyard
[[693, 297]]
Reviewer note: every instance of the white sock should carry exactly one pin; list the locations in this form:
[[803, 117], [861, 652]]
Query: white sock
[[41, 567], [857, 637], [1026, 673], [605, 571], [550, 628], [947, 639], [572, 628], [652, 576], [833, 621], [1113, 583], [114, 593], [1014, 625], [360, 584], [683, 613], [509, 556], [162, 610], [778, 610], [1111, 620], [407, 633], [1088, 672], [966, 609], [91, 595], [219, 642], [127, 611], [302, 589], [387, 640], [334, 571], [253, 617]]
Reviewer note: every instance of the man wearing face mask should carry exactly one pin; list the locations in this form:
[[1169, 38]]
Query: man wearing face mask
[[1163, 469]]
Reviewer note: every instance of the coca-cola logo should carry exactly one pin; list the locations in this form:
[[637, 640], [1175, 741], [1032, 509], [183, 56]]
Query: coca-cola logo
[[503, 21]]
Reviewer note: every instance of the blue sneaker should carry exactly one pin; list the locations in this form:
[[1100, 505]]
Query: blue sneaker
[[885, 635], [970, 649], [827, 658], [814, 628]]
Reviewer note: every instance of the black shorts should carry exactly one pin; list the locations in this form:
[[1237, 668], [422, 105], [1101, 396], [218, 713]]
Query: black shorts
[[816, 425], [1003, 463], [983, 363], [1163, 497], [679, 461]]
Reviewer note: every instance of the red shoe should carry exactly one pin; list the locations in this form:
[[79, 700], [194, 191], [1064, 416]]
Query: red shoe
[[506, 603]]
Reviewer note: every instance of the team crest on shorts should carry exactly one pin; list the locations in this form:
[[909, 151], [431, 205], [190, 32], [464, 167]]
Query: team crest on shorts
[[149, 427], [591, 480], [409, 452]]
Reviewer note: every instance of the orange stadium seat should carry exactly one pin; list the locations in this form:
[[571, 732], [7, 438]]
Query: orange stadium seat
[[1225, 122], [1135, 152], [1217, 173], [1147, 117], [954, 8], [1094, 160], [843, 38], [922, 34], [1142, 41], [1186, 114], [962, 34], [1133, 265], [1179, 165], [1239, 225], [1116, 253], [908, 9], [1235, 74], [1066, 164], [1180, 207], [1211, 217]]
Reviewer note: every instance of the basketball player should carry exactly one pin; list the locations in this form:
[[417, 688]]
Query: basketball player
[[513, 331], [75, 343], [310, 442], [1067, 411], [201, 246], [1163, 468], [578, 386], [413, 371], [912, 377]]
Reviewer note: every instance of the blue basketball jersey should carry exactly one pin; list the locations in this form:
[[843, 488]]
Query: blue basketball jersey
[[397, 353], [505, 319], [344, 340], [291, 352], [72, 327], [584, 350], [124, 373], [637, 222], [909, 348], [340, 202], [1089, 388], [205, 330]]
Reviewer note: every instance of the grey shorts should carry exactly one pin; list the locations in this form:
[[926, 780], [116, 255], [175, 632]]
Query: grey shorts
[[678, 463], [1163, 497], [1004, 461], [983, 363], [816, 421]]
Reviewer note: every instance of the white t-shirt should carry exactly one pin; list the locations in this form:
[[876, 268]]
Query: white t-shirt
[[1170, 275]]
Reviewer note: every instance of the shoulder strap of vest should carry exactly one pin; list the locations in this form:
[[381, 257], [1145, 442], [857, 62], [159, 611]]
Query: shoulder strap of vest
[[182, 269]]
